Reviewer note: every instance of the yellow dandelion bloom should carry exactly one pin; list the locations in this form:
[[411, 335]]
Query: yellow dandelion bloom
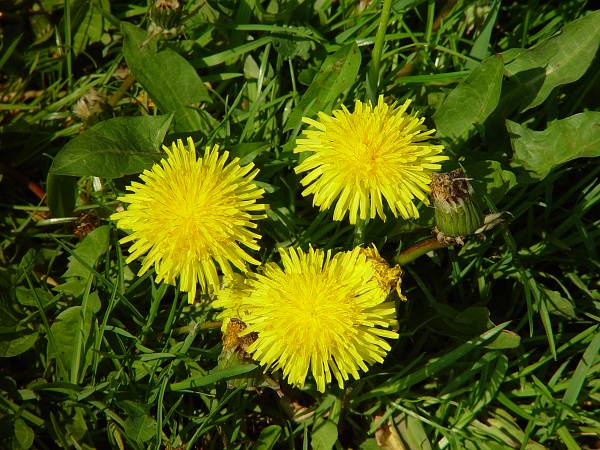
[[190, 215], [317, 312], [359, 159]]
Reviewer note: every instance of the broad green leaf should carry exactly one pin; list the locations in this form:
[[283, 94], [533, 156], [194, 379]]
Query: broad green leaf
[[72, 288], [76, 425], [292, 46], [80, 357], [472, 101], [168, 77], [69, 323], [471, 321], [62, 194], [369, 444], [139, 426], [336, 75], [212, 377], [539, 152], [23, 435], [490, 178], [562, 59], [13, 344], [324, 435], [560, 306], [268, 437], [325, 429], [27, 262], [42, 28], [505, 339], [87, 253], [27, 297], [113, 148], [86, 24]]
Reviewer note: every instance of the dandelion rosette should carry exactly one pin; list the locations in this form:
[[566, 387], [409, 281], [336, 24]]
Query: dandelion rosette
[[360, 158], [316, 312], [190, 216]]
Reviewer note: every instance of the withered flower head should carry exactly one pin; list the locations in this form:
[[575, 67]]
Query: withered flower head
[[387, 277], [166, 14], [456, 211]]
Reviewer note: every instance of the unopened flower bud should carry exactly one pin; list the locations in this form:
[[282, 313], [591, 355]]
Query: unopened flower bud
[[456, 211], [166, 14]]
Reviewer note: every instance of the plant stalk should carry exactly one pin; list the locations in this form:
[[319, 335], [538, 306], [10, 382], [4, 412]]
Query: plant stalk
[[412, 253], [373, 75], [68, 43], [210, 325], [359, 232]]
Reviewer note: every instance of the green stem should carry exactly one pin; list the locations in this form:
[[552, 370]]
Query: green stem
[[359, 232], [18, 409], [373, 75], [430, 20], [212, 325], [68, 42], [412, 253]]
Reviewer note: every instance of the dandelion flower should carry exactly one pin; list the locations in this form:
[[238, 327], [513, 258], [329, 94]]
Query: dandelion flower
[[191, 215], [359, 159], [317, 312]]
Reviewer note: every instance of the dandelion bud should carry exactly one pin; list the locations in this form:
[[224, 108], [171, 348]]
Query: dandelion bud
[[166, 14], [456, 212]]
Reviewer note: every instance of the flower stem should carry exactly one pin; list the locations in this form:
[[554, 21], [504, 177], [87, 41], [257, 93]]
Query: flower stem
[[201, 326], [412, 253], [373, 75], [359, 232]]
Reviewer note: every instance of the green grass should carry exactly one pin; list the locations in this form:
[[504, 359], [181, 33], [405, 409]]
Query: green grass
[[499, 338]]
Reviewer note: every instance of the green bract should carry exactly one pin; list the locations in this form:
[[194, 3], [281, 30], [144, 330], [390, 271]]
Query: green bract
[[456, 211]]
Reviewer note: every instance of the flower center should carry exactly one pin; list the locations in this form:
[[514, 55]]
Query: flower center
[[196, 219], [321, 310]]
